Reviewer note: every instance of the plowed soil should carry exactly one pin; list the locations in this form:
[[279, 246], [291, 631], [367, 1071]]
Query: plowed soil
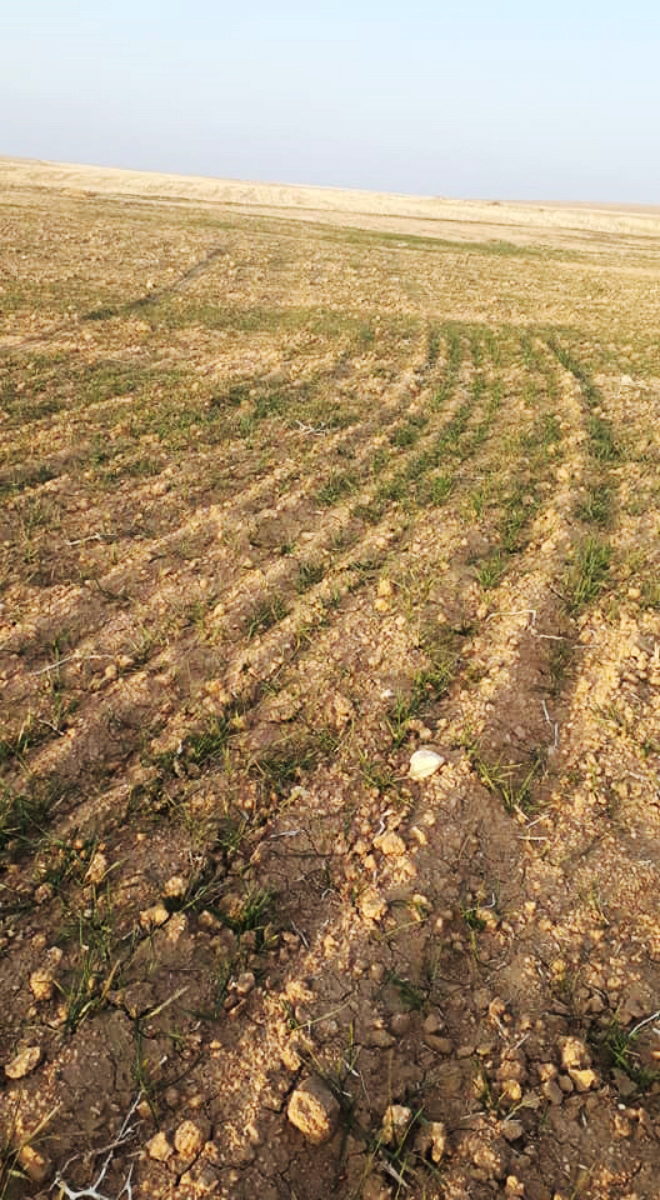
[[293, 486]]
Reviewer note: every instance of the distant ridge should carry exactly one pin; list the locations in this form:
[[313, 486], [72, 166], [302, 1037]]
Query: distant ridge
[[469, 220]]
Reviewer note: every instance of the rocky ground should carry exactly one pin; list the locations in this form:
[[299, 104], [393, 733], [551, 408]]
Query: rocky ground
[[330, 668]]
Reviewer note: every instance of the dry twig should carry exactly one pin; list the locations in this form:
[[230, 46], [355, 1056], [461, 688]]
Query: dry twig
[[92, 1191]]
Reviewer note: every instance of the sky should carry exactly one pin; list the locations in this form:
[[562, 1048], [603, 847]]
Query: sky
[[501, 99]]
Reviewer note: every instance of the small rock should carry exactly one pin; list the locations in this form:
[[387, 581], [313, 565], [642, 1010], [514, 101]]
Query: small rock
[[440, 1044], [400, 1024], [175, 887], [552, 1091], [391, 844], [97, 869], [36, 1166], [42, 985], [432, 1138], [546, 1071], [510, 1068], [574, 1053], [154, 917], [253, 1134], [512, 1130], [43, 893], [290, 1055], [372, 905], [188, 1140], [419, 834], [584, 1080], [511, 1091], [209, 921], [514, 1186], [159, 1148], [23, 1063], [396, 1121], [176, 927], [636, 1001], [490, 1157], [424, 762], [314, 1111], [624, 1084], [496, 1010], [622, 1126], [245, 983], [381, 1038]]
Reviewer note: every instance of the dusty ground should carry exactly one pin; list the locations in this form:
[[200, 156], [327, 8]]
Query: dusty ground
[[292, 489]]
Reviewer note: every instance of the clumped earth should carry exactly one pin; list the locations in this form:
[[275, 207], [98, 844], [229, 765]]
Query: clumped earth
[[283, 504]]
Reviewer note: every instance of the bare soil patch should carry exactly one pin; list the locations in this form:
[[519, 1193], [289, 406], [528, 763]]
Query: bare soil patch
[[292, 491]]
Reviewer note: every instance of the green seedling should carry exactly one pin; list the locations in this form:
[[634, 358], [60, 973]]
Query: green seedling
[[512, 782], [97, 970], [585, 579], [618, 1046], [337, 487], [595, 507], [267, 614], [491, 570], [309, 574], [413, 997]]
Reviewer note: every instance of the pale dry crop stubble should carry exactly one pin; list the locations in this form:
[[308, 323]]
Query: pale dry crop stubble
[[296, 484]]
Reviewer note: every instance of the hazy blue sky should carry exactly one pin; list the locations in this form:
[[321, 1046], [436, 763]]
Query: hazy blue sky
[[497, 98]]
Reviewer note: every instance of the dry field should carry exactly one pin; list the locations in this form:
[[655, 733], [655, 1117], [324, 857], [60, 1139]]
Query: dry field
[[293, 486]]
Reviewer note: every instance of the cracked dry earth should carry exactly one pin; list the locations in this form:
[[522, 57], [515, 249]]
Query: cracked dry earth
[[284, 504]]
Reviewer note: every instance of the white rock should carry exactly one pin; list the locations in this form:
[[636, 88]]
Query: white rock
[[314, 1111], [391, 844], [372, 905], [156, 916], [175, 887], [396, 1122], [424, 763], [97, 869], [23, 1063], [432, 1138], [245, 983], [42, 985], [36, 1166], [188, 1140], [159, 1148]]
